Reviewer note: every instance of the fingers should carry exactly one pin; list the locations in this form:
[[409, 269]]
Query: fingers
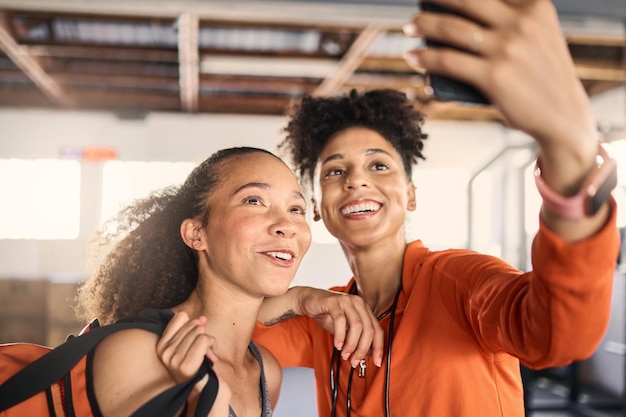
[[454, 42], [517, 56], [183, 346], [453, 31], [447, 62], [364, 334], [356, 330]]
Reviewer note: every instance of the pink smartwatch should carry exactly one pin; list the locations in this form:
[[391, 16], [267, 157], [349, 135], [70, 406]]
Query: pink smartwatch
[[594, 192]]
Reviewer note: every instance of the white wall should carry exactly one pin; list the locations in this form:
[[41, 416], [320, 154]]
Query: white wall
[[184, 137], [442, 193]]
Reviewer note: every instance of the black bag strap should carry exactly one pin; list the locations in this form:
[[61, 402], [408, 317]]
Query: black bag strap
[[170, 401], [51, 367]]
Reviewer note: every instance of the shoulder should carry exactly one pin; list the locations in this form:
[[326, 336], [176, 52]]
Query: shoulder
[[448, 269], [456, 260], [126, 343], [127, 371]]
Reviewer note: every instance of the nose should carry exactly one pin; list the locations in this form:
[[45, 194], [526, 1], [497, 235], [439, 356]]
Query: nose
[[355, 179], [283, 227]]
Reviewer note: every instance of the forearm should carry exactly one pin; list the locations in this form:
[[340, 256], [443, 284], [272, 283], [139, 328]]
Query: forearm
[[277, 309], [578, 229], [565, 166]]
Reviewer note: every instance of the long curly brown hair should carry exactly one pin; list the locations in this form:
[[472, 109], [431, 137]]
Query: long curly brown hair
[[149, 265], [315, 120]]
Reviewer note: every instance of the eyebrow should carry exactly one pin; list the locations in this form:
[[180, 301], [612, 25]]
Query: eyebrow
[[265, 186], [371, 151]]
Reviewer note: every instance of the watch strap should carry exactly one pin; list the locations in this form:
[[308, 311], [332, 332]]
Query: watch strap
[[593, 193]]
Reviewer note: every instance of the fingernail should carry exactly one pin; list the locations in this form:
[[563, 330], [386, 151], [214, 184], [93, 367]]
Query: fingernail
[[355, 363], [411, 59], [378, 361], [410, 29], [345, 355], [339, 346]]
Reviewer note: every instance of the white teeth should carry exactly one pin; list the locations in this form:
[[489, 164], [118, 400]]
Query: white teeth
[[361, 208], [281, 255]]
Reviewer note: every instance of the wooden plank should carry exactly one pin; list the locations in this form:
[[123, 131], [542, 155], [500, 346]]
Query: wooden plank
[[188, 57], [31, 67], [351, 60]]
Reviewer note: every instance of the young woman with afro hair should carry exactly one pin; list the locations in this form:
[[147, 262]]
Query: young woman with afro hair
[[417, 332]]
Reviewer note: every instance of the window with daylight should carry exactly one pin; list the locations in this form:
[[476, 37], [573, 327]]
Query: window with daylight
[[41, 199], [125, 181]]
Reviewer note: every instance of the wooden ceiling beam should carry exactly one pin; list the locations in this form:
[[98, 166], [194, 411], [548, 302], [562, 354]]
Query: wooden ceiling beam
[[120, 99], [103, 53], [437, 110], [279, 12], [130, 82], [148, 101], [266, 105], [13, 76], [393, 81], [386, 63], [24, 97], [596, 72], [595, 88], [189, 61], [350, 61], [288, 86], [20, 57], [596, 40]]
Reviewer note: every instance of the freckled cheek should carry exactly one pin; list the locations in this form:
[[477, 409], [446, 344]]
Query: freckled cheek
[[239, 234], [305, 238]]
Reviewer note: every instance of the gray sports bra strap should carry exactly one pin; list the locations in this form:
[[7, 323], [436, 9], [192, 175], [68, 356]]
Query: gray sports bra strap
[[266, 404]]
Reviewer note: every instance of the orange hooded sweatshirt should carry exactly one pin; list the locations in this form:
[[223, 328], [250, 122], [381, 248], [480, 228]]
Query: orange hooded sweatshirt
[[463, 322]]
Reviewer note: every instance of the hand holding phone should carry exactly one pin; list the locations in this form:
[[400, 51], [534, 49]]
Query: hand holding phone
[[446, 88]]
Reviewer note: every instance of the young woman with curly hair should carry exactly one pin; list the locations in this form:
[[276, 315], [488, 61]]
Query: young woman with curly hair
[[211, 250], [456, 323]]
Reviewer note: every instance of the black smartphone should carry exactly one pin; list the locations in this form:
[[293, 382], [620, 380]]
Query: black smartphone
[[446, 88]]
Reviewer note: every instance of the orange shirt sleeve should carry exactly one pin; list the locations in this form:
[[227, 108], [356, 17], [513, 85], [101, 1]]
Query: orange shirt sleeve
[[550, 316]]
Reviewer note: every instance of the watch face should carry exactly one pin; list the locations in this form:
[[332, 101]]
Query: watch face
[[603, 191]]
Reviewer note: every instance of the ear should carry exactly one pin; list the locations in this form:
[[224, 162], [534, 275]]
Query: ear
[[191, 232], [411, 202], [316, 212]]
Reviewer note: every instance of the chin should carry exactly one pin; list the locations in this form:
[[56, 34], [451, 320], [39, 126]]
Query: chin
[[275, 292]]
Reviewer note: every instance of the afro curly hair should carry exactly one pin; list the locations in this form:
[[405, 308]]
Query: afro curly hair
[[315, 120]]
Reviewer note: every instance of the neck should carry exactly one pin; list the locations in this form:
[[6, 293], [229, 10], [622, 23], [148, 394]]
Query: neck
[[377, 271], [230, 319]]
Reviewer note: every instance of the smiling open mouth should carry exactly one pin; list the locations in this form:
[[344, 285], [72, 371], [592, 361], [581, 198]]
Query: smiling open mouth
[[369, 207], [283, 256]]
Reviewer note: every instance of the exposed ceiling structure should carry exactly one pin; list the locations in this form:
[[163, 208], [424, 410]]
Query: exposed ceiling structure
[[251, 57]]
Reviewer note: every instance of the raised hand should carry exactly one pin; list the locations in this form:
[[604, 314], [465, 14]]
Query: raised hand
[[515, 53], [182, 348]]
